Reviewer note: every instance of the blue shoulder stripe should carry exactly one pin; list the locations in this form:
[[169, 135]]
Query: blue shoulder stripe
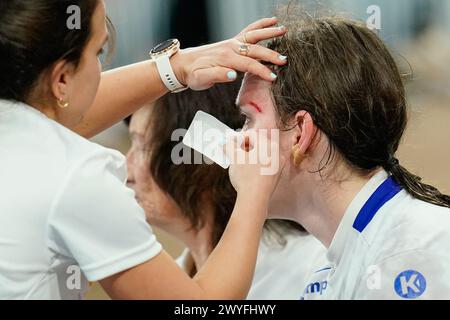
[[385, 192]]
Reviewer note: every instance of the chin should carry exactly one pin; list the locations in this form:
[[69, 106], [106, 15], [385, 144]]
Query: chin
[[156, 221], [273, 216], [275, 211], [281, 211]]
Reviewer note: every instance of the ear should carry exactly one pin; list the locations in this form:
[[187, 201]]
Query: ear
[[304, 132], [61, 77]]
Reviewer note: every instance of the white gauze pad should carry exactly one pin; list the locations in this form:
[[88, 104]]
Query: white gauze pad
[[208, 136]]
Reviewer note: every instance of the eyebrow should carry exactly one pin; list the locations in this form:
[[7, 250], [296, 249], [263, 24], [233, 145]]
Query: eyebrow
[[256, 106]]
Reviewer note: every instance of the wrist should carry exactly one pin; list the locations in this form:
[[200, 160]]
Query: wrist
[[165, 55], [255, 202], [179, 63]]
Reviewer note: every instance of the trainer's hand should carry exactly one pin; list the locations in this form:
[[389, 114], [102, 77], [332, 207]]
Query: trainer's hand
[[256, 164], [201, 67]]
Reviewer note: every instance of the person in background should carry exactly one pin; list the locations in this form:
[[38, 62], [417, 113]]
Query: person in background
[[193, 202]]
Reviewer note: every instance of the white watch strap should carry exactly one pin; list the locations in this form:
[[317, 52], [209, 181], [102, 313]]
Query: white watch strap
[[167, 75]]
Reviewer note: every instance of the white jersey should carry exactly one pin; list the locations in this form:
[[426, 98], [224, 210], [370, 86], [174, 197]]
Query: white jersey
[[388, 245], [66, 216], [282, 272]]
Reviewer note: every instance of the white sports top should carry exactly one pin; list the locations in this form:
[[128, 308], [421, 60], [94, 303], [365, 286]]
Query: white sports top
[[388, 245], [66, 216]]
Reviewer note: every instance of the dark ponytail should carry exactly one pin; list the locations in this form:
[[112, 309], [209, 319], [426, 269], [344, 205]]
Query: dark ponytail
[[343, 75], [413, 185]]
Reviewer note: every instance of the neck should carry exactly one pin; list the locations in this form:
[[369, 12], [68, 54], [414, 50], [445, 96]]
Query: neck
[[43, 105], [199, 243], [322, 201]]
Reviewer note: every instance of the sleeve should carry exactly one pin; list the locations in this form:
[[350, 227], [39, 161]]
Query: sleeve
[[96, 220], [418, 274]]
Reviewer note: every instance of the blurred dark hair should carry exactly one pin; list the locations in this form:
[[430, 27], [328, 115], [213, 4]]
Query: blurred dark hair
[[191, 186], [345, 77], [34, 35]]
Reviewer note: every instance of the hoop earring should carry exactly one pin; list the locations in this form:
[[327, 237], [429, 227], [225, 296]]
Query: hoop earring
[[297, 155], [62, 104]]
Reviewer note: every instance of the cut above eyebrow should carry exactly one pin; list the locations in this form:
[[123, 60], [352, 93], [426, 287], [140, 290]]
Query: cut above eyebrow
[[256, 106]]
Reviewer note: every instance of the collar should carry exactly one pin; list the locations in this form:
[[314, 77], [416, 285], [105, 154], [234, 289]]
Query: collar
[[7, 105], [378, 190]]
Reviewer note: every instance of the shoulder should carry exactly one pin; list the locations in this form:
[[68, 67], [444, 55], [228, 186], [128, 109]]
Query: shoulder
[[41, 158], [83, 157], [409, 226], [407, 275], [47, 143], [81, 152]]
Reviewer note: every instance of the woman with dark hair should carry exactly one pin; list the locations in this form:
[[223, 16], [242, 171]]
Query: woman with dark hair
[[66, 216], [340, 106], [193, 201]]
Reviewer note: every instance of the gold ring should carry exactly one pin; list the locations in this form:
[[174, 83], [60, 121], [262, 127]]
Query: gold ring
[[244, 49]]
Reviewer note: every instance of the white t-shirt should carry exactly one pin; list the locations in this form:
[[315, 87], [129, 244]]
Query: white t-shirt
[[282, 272], [401, 251], [66, 215]]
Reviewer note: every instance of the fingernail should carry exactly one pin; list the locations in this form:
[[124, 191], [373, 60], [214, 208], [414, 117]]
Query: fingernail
[[273, 75], [282, 28], [282, 58], [232, 75]]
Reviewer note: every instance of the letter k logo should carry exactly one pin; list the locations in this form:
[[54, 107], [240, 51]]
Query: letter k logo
[[410, 284]]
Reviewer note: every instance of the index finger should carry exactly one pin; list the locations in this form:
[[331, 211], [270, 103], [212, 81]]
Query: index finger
[[255, 36], [253, 66], [260, 24]]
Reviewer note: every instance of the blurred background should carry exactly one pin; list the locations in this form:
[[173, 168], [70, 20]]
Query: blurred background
[[417, 31]]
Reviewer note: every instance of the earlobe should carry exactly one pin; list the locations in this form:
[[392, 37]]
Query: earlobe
[[297, 155], [307, 129], [62, 103], [59, 76]]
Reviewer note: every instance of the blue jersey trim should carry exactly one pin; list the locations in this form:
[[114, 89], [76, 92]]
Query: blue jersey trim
[[385, 192], [324, 269]]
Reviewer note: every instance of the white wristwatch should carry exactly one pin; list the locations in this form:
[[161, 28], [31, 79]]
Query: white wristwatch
[[161, 55]]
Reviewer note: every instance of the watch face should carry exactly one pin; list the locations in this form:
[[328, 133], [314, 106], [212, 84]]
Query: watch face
[[163, 46]]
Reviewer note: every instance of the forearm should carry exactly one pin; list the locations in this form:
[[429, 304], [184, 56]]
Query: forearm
[[121, 92], [228, 273]]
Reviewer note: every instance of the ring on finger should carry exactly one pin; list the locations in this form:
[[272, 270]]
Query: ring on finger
[[244, 49]]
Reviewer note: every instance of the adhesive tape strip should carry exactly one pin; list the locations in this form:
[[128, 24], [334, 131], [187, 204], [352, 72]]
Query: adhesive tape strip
[[207, 135]]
